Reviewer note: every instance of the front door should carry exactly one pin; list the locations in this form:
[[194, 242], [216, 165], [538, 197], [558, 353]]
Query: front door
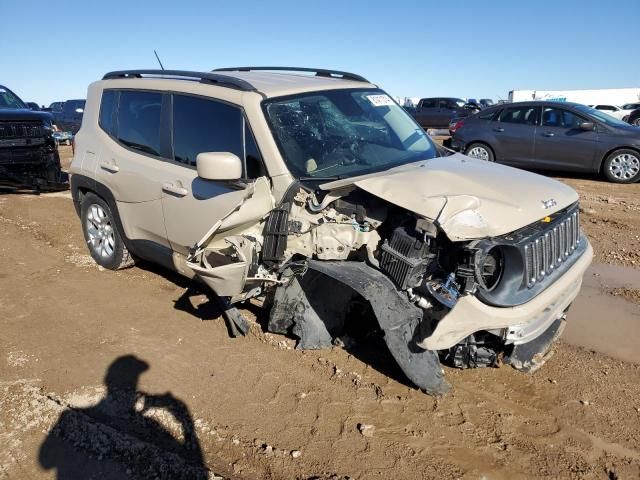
[[560, 142], [193, 205]]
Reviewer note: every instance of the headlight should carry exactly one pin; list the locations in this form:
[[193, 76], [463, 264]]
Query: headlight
[[489, 266]]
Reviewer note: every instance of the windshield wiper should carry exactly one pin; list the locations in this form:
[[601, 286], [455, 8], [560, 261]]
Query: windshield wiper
[[321, 179]]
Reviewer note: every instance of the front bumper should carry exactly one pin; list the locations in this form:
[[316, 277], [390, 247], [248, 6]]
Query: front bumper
[[526, 321]]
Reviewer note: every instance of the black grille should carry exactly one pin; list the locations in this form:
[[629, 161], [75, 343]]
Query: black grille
[[405, 258], [275, 234], [9, 130]]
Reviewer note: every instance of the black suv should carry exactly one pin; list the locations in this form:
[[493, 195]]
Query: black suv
[[28, 154]]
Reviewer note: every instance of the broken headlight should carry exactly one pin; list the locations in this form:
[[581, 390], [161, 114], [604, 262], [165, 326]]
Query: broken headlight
[[488, 268]]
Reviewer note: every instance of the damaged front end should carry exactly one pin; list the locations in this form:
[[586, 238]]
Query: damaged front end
[[315, 262], [29, 157]]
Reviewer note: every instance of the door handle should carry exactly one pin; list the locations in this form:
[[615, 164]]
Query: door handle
[[171, 188], [109, 167], [548, 134], [498, 129]]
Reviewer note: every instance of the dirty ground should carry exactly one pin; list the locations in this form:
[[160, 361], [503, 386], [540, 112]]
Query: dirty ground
[[82, 349]]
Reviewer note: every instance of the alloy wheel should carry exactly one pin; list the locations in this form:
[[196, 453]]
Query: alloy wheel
[[480, 153], [624, 166], [100, 231]]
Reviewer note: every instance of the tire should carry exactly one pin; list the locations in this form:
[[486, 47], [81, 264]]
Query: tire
[[481, 151], [101, 234], [636, 122], [622, 166], [626, 119]]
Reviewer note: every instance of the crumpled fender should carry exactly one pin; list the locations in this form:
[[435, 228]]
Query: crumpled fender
[[397, 316]]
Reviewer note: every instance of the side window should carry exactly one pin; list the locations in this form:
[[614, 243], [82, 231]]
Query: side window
[[443, 103], [139, 120], [557, 117], [202, 125], [523, 115], [106, 111], [606, 108], [429, 103]]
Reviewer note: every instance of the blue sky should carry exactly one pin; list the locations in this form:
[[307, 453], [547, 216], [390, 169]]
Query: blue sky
[[53, 50]]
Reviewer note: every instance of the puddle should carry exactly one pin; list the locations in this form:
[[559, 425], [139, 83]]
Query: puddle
[[602, 322]]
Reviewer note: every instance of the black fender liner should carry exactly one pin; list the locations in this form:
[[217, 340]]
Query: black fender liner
[[529, 357], [398, 318]]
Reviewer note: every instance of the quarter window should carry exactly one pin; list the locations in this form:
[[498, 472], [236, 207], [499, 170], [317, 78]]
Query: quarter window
[[106, 110], [523, 115], [139, 120]]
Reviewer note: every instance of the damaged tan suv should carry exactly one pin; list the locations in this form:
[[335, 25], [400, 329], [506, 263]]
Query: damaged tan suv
[[313, 191]]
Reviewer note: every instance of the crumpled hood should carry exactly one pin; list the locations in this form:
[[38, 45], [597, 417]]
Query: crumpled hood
[[466, 197]]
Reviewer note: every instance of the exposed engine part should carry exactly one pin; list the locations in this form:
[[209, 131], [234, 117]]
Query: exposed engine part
[[276, 231], [474, 352], [405, 257], [419, 300], [446, 292]]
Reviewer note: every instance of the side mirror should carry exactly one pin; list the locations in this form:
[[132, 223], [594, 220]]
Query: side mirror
[[79, 110], [218, 166], [587, 126]]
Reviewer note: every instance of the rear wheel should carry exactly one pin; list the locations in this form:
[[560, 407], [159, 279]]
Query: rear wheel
[[101, 234], [636, 122], [622, 166], [480, 151]]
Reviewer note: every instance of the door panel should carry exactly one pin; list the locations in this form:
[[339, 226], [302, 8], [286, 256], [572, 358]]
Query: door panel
[[190, 214], [561, 144], [515, 133], [132, 175]]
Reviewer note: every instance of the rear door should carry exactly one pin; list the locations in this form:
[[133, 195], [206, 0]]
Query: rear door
[[514, 133], [560, 142], [130, 161], [193, 205]]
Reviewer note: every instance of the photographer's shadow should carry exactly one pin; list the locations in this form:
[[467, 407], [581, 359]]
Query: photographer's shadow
[[120, 437]]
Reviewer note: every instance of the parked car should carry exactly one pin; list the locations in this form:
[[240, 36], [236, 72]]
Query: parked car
[[437, 112], [28, 154], [55, 107], [486, 102], [628, 108], [554, 136], [613, 110], [634, 117], [322, 197], [70, 118]]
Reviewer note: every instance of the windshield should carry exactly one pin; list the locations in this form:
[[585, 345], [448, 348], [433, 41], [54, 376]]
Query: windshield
[[602, 116], [343, 133], [9, 100]]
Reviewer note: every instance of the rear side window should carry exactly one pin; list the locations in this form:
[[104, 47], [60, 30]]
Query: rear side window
[[523, 115], [139, 120], [429, 103], [107, 105]]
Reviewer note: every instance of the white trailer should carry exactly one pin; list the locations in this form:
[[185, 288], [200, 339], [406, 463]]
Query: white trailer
[[601, 96]]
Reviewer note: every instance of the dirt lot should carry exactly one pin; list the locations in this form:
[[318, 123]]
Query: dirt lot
[[133, 374]]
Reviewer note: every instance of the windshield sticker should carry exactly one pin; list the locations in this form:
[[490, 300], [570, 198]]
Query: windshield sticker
[[380, 100]]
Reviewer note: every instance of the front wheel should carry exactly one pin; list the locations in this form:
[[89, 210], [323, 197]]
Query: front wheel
[[636, 122], [101, 234], [480, 151], [622, 166]]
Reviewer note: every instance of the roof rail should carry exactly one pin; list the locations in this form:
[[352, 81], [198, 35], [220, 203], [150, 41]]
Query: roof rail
[[320, 72], [204, 77]]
